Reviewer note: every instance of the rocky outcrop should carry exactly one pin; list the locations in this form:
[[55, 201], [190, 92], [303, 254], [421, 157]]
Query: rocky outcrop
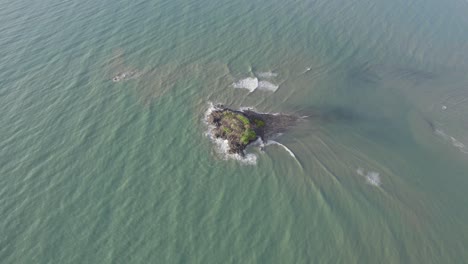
[[240, 128]]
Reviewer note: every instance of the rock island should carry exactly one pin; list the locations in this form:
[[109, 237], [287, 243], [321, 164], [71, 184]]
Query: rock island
[[240, 128]]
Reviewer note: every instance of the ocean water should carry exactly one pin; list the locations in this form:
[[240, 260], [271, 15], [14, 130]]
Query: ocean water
[[96, 171]]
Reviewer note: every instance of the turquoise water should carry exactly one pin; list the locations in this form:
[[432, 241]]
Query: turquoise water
[[93, 171]]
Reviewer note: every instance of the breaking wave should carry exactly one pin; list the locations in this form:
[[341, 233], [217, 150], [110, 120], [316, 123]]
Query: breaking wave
[[272, 142]]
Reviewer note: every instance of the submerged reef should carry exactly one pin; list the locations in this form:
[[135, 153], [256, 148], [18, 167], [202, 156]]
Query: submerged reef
[[242, 127]]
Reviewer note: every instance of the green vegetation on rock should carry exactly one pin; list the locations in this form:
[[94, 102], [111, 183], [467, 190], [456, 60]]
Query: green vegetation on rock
[[228, 114], [247, 136], [244, 119], [259, 123]]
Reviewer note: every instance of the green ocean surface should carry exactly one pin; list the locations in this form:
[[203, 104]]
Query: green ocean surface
[[96, 171]]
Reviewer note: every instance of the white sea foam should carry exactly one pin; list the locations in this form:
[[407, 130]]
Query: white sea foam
[[251, 108], [268, 86], [247, 108], [222, 148], [372, 177], [211, 108], [249, 83], [252, 83], [258, 142], [267, 74]]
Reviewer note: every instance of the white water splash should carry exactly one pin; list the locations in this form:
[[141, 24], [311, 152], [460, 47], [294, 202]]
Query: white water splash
[[222, 148], [249, 83], [252, 83], [372, 177]]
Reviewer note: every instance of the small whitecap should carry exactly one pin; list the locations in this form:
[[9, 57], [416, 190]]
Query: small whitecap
[[373, 178]]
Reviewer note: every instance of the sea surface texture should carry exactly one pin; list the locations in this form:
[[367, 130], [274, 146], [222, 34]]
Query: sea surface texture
[[105, 156]]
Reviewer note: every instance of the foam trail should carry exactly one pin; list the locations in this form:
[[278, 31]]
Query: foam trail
[[306, 70], [249, 83], [456, 143], [264, 85], [267, 74], [441, 133]]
